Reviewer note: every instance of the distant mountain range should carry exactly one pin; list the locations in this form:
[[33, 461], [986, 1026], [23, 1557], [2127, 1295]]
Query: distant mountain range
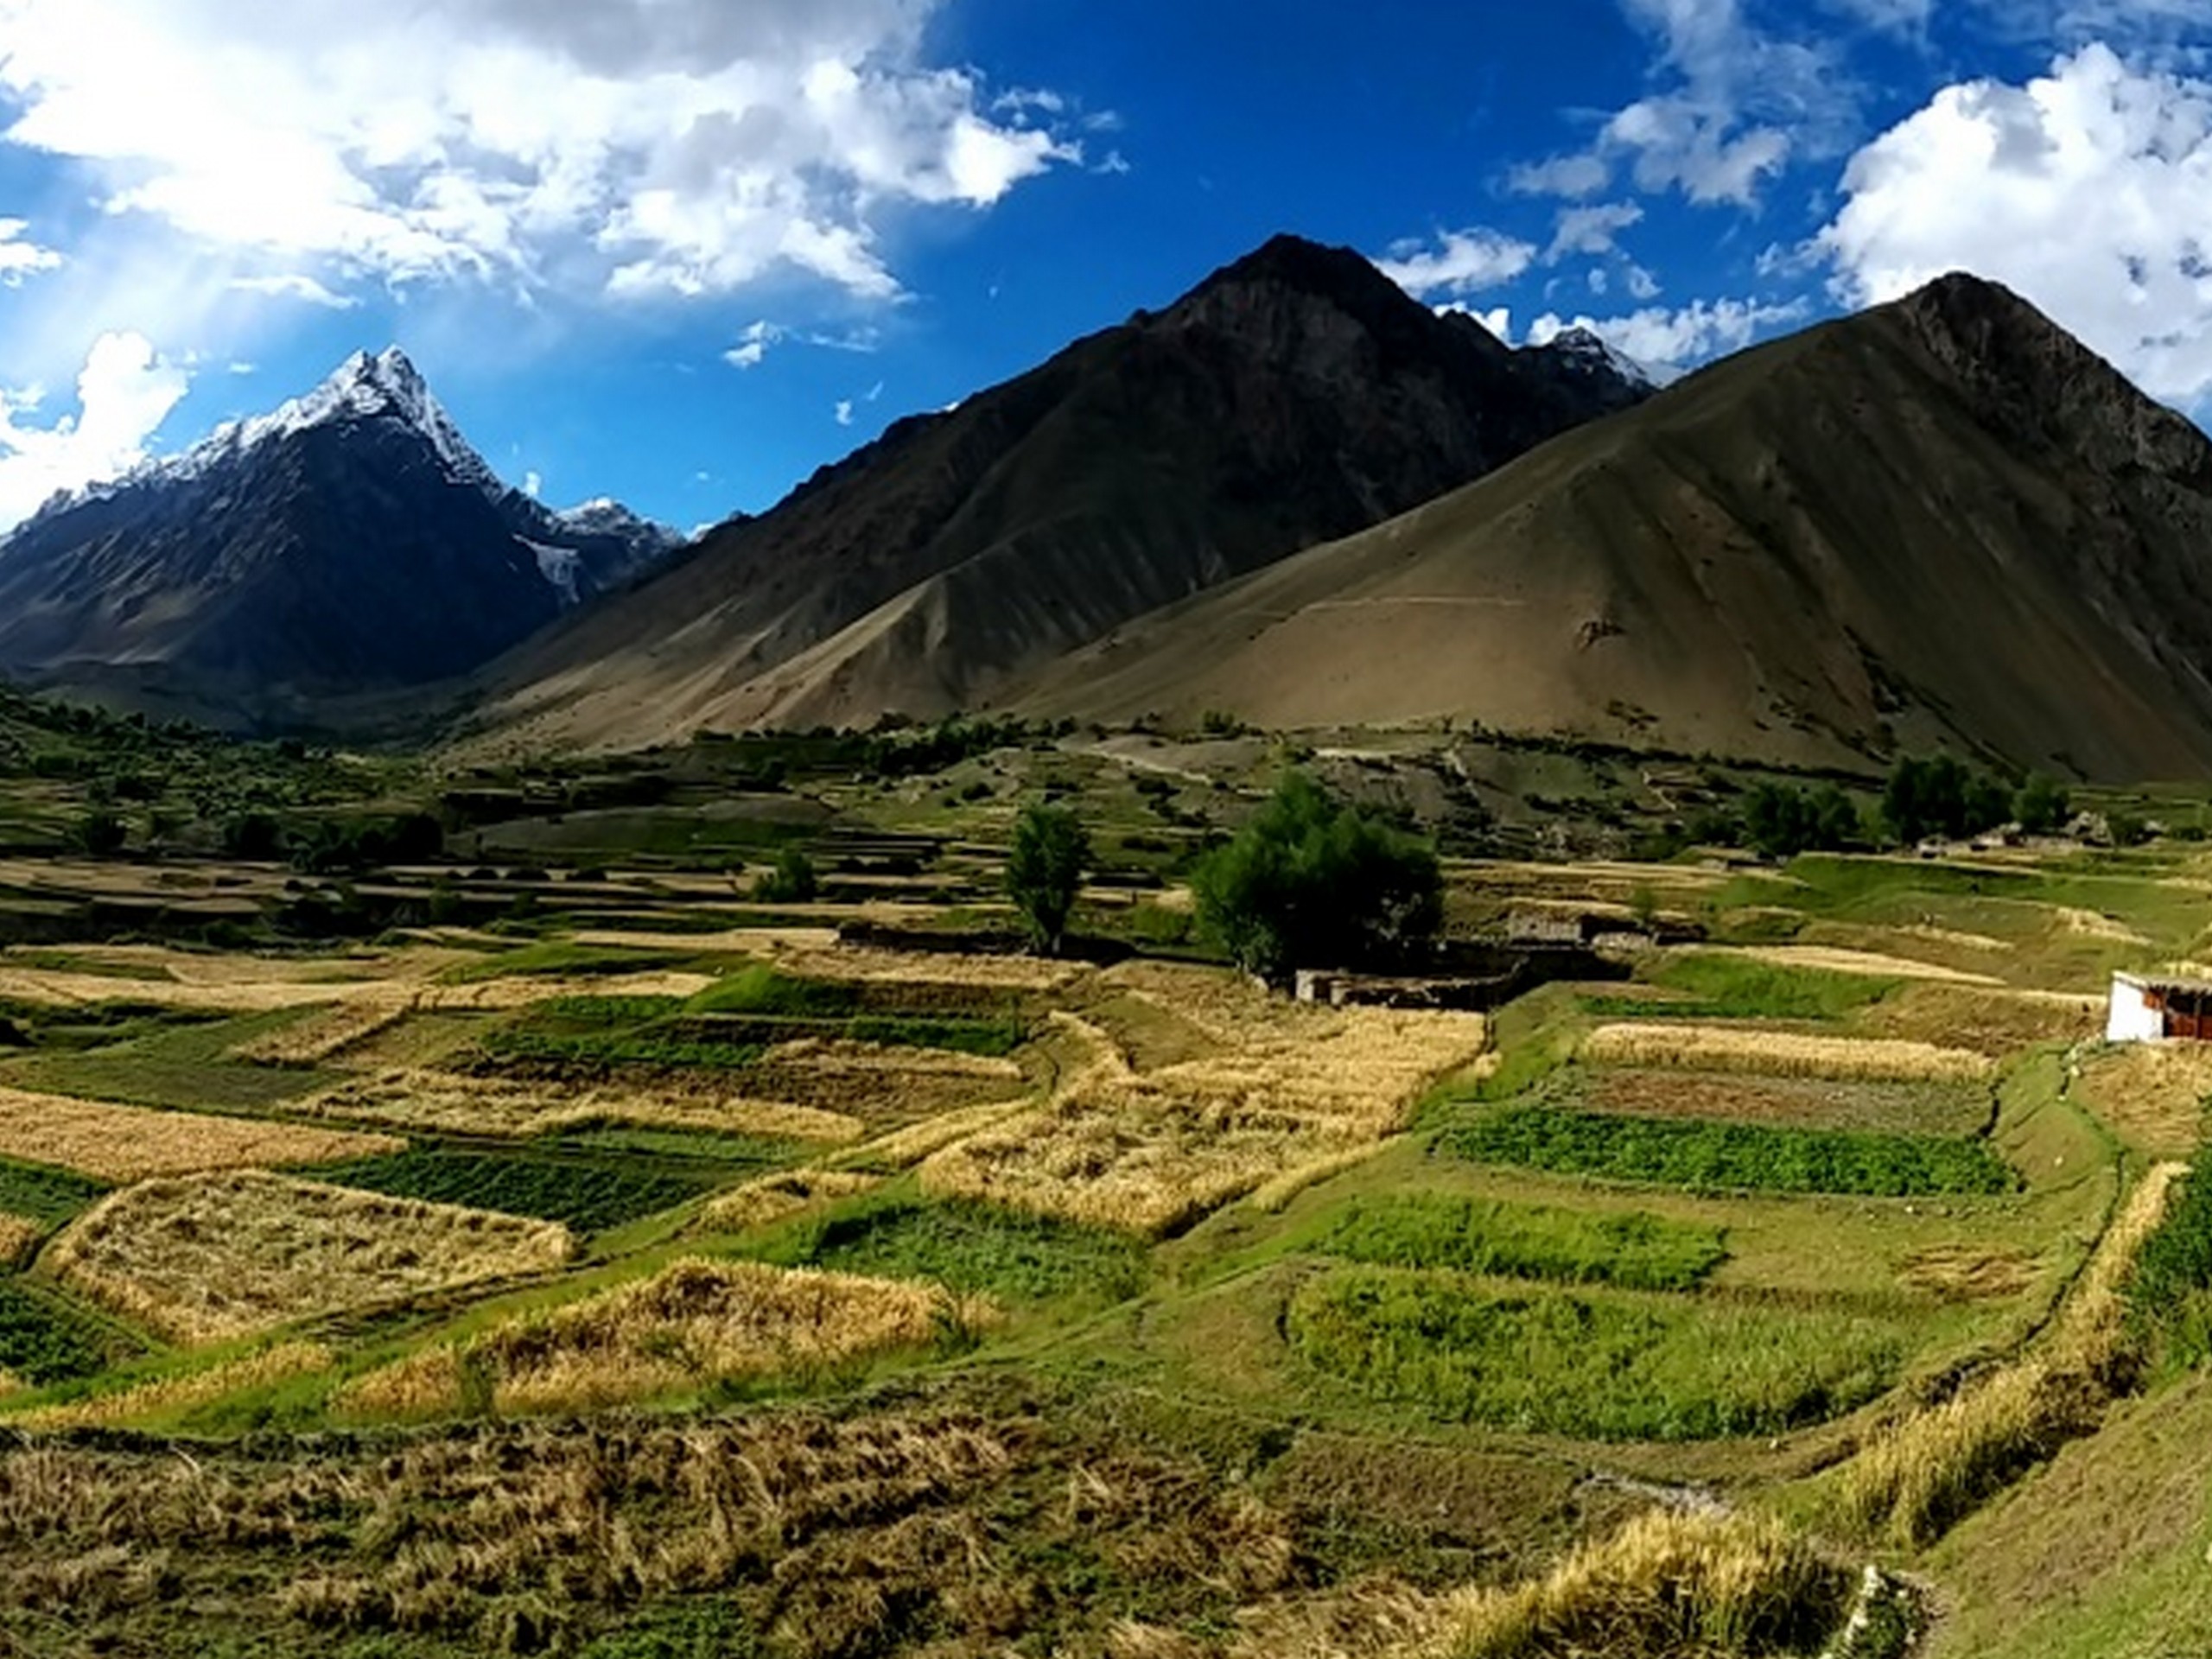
[[351, 541], [1295, 496]]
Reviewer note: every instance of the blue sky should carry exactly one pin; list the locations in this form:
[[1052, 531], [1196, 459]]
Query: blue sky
[[685, 251]]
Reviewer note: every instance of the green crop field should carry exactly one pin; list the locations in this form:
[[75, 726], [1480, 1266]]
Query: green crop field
[[44, 1339], [1517, 1241], [969, 1248], [588, 1195], [1710, 1157], [43, 1194], [1609, 1366]]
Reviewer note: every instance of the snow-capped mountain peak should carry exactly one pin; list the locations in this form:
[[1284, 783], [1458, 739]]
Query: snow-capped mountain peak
[[362, 387], [1583, 345]]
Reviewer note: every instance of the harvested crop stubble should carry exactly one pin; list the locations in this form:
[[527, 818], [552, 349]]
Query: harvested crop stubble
[[250, 996], [19, 1237], [322, 1036], [868, 964], [695, 1323], [1923, 1474], [1294, 1083], [166, 1395], [871, 1060], [1669, 1584], [1871, 964], [904, 1148], [521, 991], [1798, 1103], [1718, 1048], [206, 1260], [523, 1108], [1996, 1023], [2153, 1093], [781, 1196], [129, 1143]]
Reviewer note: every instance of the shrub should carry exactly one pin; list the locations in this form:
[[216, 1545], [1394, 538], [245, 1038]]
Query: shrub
[[1314, 882], [792, 882]]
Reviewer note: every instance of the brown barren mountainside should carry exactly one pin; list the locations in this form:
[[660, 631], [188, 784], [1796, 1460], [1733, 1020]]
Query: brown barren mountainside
[[1294, 397], [1943, 520]]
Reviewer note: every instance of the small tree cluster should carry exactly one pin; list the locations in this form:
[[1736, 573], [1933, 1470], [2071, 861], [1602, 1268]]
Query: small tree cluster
[[1781, 821], [1942, 797], [1045, 870], [1313, 882], [792, 882]]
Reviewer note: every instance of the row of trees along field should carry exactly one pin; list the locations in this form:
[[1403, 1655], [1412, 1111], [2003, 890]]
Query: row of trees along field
[[1925, 797]]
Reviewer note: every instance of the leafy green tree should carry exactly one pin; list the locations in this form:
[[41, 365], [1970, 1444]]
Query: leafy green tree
[[1313, 882], [2041, 806], [101, 833], [1045, 870], [792, 882], [1942, 797]]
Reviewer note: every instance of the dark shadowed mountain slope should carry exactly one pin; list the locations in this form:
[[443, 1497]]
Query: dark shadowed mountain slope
[[1943, 520], [351, 540], [1293, 397]]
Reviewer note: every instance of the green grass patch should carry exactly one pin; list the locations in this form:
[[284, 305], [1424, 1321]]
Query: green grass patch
[[1520, 1241], [590, 1196], [1603, 1365], [760, 989], [46, 1196], [43, 1339], [1736, 987], [558, 956], [2170, 1293], [974, 1248], [1709, 1157], [736, 1151], [644, 1047], [186, 1068]]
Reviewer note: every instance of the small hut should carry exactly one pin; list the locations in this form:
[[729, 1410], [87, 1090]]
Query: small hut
[[2146, 1009]]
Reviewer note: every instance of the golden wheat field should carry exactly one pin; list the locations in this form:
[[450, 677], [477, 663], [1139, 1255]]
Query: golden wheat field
[[783, 1195], [1781, 1054], [19, 1237], [328, 1033], [695, 1322], [169, 1394], [523, 1108], [2153, 1093], [1923, 1472], [1148, 1152], [1867, 963], [205, 1259], [129, 1143]]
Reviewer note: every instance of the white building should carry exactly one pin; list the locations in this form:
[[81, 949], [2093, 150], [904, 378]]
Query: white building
[[2149, 1010]]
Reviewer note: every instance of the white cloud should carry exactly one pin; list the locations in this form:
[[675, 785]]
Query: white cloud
[[752, 348], [1460, 262], [1669, 341], [295, 286], [19, 258], [1592, 230], [124, 392], [2087, 190], [1732, 106], [533, 484], [844, 411], [645, 146]]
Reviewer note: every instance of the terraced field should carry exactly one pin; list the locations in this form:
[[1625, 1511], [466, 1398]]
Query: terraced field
[[1268, 1327]]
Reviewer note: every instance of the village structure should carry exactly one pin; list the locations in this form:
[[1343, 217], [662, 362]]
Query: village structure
[[2150, 1009]]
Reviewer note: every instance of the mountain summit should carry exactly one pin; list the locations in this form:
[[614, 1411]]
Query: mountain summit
[[1292, 396], [350, 540], [1943, 523]]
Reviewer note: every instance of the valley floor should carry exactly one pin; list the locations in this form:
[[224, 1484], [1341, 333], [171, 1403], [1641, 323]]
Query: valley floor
[[650, 1271]]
